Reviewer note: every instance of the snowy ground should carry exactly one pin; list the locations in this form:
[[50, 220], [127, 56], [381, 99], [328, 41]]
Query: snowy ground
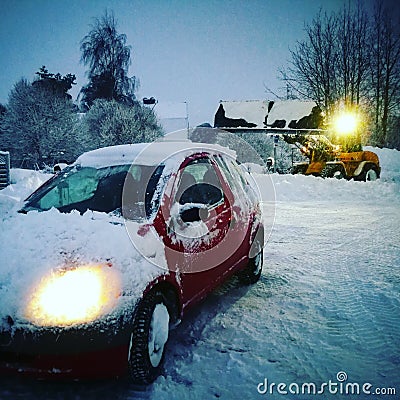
[[328, 301]]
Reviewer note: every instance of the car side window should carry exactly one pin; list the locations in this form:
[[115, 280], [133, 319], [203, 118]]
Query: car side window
[[199, 184], [232, 173], [225, 170]]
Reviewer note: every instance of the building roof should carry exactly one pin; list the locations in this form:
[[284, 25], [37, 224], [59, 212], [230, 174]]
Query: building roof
[[262, 113]]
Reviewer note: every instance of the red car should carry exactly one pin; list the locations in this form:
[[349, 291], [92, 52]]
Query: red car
[[103, 304]]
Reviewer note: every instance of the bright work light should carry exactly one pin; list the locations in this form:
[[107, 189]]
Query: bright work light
[[346, 123]]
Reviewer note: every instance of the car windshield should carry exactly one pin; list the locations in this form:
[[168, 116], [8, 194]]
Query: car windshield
[[99, 189]]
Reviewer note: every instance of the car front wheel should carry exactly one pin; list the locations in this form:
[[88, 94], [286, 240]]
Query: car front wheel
[[148, 339], [252, 273]]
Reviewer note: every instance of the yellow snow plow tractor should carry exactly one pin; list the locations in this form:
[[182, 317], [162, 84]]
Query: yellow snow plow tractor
[[328, 160], [344, 159]]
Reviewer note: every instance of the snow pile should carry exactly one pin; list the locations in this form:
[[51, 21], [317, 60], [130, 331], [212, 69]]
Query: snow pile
[[305, 188], [186, 232], [390, 163], [172, 149], [23, 183]]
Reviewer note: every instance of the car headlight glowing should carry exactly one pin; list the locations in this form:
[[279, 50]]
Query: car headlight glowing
[[72, 296]]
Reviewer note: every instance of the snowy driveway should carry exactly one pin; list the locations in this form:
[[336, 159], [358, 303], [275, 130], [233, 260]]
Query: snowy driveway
[[328, 301]]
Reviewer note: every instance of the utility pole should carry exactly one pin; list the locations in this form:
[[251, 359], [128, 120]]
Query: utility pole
[[276, 138]]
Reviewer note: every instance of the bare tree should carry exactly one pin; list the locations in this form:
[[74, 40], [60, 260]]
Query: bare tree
[[312, 70], [352, 61], [331, 64], [384, 71]]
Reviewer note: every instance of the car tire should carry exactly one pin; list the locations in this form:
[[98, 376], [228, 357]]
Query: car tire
[[253, 271], [333, 171], [148, 339]]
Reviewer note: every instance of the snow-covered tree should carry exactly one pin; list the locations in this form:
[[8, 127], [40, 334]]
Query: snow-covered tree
[[105, 52], [114, 116], [37, 126]]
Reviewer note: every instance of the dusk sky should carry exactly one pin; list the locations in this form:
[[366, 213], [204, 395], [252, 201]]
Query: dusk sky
[[197, 52]]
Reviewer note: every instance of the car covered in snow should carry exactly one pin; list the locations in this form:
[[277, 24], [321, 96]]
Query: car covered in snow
[[110, 253]]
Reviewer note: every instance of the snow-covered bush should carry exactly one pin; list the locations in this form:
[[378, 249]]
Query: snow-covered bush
[[111, 123]]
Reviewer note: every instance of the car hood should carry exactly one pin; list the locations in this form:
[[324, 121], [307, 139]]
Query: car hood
[[35, 244]]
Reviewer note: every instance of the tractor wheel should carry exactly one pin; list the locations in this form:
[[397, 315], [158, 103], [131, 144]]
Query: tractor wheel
[[148, 338], [370, 172], [333, 171], [299, 169]]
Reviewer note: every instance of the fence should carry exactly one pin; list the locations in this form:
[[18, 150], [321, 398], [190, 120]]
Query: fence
[[4, 169]]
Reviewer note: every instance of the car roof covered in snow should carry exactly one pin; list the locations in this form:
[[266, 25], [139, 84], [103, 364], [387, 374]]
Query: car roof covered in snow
[[150, 154]]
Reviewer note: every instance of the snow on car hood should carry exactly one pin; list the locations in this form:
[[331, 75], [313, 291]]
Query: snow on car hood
[[37, 243]]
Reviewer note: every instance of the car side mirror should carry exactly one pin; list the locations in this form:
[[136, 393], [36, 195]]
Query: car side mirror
[[194, 213]]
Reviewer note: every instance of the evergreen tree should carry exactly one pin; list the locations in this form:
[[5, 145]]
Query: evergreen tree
[[3, 110], [56, 84]]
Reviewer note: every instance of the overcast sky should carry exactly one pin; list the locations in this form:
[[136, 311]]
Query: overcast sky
[[197, 52]]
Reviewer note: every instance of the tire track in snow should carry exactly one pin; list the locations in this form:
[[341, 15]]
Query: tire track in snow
[[359, 329]]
